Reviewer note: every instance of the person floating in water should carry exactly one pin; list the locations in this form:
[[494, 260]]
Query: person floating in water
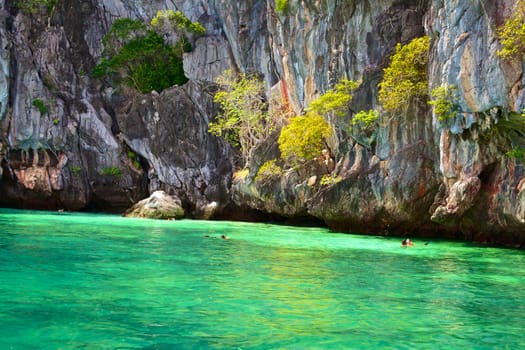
[[407, 243], [222, 236]]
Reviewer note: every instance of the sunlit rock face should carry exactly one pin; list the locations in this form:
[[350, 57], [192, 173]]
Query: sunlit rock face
[[421, 176], [480, 184], [157, 206], [386, 188], [49, 104], [97, 147]]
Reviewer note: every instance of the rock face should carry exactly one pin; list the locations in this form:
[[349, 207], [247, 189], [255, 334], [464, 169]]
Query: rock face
[[170, 131], [385, 188], [83, 149], [421, 176], [93, 147]]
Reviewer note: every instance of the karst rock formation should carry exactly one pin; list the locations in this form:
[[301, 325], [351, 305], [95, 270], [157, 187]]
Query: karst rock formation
[[94, 147]]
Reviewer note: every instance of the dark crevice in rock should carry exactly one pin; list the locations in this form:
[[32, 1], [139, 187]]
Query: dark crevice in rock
[[487, 174]]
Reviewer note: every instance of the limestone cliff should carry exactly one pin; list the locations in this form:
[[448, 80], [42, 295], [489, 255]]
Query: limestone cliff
[[91, 147], [94, 147]]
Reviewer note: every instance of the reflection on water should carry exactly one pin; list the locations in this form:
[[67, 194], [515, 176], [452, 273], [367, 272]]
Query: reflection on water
[[91, 281]]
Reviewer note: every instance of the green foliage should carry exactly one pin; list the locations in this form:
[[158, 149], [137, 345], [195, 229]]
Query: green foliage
[[101, 69], [146, 63], [112, 171], [41, 106], [175, 20], [363, 126], [152, 64], [336, 100], [268, 170], [140, 58], [122, 30], [406, 76], [169, 22], [49, 83], [34, 6], [304, 137], [510, 133], [516, 153], [243, 121], [281, 6], [240, 175], [365, 120], [513, 125], [75, 170], [134, 160], [328, 180], [444, 99], [512, 33]]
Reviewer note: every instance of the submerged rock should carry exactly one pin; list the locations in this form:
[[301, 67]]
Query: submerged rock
[[157, 206]]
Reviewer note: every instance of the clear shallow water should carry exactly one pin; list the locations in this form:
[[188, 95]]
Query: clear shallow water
[[84, 281]]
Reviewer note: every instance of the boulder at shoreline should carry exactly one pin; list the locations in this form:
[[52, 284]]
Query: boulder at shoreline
[[157, 206]]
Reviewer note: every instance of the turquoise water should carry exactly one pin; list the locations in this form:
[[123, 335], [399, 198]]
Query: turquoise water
[[84, 281]]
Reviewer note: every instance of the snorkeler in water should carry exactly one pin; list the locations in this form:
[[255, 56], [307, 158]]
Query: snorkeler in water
[[221, 236], [407, 243]]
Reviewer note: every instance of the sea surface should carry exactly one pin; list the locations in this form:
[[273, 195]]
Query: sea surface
[[87, 281]]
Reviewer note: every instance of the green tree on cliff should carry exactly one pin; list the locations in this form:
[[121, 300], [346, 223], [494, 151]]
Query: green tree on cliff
[[281, 6], [512, 33], [406, 76], [444, 99], [34, 7], [303, 138], [168, 22], [336, 100], [139, 57], [244, 120]]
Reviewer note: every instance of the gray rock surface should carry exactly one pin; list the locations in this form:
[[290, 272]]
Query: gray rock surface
[[157, 206], [169, 131], [54, 57]]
